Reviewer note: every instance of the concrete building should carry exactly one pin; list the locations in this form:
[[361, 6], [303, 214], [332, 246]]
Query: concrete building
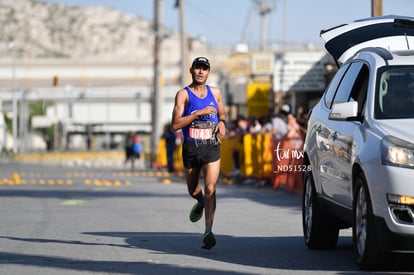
[[93, 103]]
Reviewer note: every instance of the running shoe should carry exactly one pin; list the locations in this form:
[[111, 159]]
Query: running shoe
[[209, 240], [196, 212]]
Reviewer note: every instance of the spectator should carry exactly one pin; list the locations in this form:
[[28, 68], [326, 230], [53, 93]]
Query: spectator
[[267, 125], [256, 126], [289, 157], [279, 129], [237, 130], [302, 118], [136, 148], [295, 130], [170, 143], [129, 141]]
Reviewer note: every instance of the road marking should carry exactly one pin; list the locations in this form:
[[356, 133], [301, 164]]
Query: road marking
[[100, 189], [73, 202], [87, 178]]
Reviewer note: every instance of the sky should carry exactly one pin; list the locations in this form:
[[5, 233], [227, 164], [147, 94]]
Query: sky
[[228, 22]]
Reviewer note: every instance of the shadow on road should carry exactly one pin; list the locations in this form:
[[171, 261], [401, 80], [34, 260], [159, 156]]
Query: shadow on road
[[266, 252], [101, 267], [279, 253], [286, 253]]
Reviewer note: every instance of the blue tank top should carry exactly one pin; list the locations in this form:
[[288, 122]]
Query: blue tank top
[[202, 128]]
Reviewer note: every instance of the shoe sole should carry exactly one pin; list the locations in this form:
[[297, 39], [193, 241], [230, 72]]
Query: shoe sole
[[195, 217]]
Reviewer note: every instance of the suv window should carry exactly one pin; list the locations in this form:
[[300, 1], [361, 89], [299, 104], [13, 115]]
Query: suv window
[[351, 84], [333, 85], [395, 93]]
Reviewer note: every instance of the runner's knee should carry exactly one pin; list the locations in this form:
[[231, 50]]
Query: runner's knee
[[210, 190]]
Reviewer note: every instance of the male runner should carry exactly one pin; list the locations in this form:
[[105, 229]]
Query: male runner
[[199, 112]]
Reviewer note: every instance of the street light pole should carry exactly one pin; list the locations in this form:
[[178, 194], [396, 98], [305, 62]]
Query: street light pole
[[12, 47], [157, 96], [184, 45]]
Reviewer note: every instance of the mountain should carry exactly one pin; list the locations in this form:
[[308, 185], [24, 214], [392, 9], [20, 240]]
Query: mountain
[[50, 30]]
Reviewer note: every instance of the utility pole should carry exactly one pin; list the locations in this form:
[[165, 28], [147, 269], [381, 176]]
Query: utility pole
[[376, 8], [55, 83], [181, 5], [157, 96], [263, 11], [284, 24]]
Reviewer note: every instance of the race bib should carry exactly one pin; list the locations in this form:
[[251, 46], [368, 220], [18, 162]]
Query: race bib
[[201, 129]]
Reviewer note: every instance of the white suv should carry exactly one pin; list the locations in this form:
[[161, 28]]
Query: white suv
[[359, 145]]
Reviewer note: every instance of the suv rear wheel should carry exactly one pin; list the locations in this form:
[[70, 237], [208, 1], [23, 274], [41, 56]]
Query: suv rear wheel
[[366, 246], [319, 229]]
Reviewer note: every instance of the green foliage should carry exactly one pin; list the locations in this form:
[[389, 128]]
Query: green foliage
[[38, 108], [9, 123]]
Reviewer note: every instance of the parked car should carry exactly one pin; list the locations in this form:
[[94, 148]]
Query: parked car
[[359, 145]]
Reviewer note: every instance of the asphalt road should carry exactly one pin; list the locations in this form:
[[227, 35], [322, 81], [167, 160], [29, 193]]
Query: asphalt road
[[57, 220]]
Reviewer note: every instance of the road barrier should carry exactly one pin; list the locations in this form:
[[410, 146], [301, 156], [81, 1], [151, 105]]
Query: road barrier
[[259, 156]]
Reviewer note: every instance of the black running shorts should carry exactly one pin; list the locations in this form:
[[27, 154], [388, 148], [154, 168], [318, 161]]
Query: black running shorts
[[197, 154]]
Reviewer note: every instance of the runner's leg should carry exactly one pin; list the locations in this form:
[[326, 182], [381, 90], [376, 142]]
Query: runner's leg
[[211, 174], [192, 184]]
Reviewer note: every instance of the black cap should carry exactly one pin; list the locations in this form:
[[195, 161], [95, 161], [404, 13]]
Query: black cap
[[200, 61]]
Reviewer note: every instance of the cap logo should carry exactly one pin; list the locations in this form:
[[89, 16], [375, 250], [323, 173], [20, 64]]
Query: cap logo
[[201, 59]]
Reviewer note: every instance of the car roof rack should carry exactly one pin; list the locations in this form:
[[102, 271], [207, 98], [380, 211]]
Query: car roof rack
[[384, 53]]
